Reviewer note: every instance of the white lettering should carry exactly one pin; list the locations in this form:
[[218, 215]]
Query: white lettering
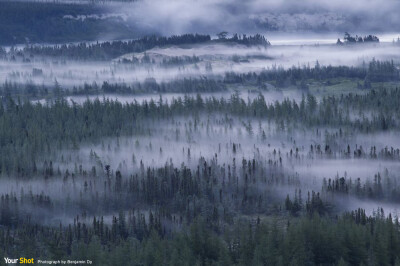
[[7, 260]]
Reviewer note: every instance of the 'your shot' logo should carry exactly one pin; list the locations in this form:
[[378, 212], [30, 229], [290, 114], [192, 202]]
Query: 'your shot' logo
[[20, 260]]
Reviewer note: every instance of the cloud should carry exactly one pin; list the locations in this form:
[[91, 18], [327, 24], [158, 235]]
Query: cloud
[[212, 16]]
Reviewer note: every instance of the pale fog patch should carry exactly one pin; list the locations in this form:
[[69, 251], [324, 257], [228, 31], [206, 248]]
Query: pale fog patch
[[220, 59], [351, 168]]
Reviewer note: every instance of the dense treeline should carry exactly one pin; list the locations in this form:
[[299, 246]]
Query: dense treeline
[[375, 71], [381, 188], [257, 39], [186, 85], [382, 71], [348, 39], [150, 85], [353, 239], [109, 50]]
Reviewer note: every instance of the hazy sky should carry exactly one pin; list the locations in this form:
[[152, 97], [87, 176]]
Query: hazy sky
[[210, 16]]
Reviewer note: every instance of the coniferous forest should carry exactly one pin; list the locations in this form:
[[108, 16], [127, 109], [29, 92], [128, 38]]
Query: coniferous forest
[[157, 133]]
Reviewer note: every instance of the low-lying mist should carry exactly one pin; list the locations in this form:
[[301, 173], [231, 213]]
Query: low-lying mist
[[171, 63], [283, 161]]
